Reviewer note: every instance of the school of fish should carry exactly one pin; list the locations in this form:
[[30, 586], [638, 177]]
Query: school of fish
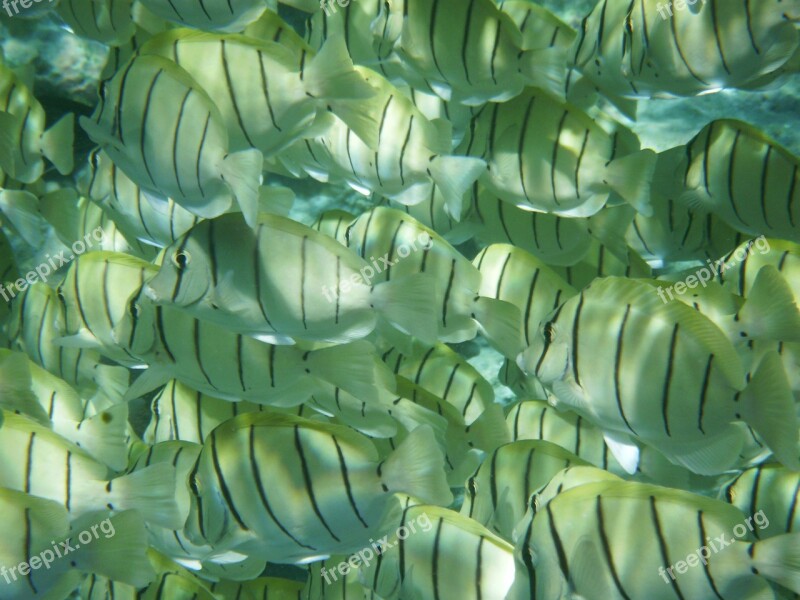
[[205, 396]]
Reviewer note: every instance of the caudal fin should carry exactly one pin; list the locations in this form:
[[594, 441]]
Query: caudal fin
[[631, 177], [104, 436], [500, 323], [416, 468], [242, 172], [546, 68], [353, 367], [489, 431], [57, 144], [769, 409], [331, 75], [770, 312], [151, 491], [406, 303], [21, 209], [454, 175], [778, 559]]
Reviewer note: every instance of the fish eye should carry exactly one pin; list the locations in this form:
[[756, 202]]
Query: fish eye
[[549, 332], [133, 309], [194, 486], [181, 259]]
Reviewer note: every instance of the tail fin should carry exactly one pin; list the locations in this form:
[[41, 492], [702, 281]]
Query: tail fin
[[242, 172], [454, 175], [501, 324], [104, 436], [118, 549], [114, 381], [546, 68], [15, 388], [631, 177], [417, 468], [331, 75], [21, 209], [770, 312], [57, 144], [151, 491], [489, 431], [353, 367], [405, 302], [769, 409], [778, 559]]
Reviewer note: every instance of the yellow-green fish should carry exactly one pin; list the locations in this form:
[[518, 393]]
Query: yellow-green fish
[[107, 21], [23, 139], [283, 281], [166, 133], [328, 494], [772, 490], [208, 15]]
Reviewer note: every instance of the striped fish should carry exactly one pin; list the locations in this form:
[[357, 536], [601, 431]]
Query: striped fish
[[434, 552], [95, 295], [512, 275], [664, 355], [538, 25], [471, 56], [550, 156], [42, 463], [604, 261], [411, 154], [285, 281], [232, 15], [644, 48], [236, 367], [23, 139], [393, 238], [446, 375], [740, 267], [772, 490], [262, 587], [617, 540], [93, 424], [126, 203], [36, 526], [270, 93], [329, 494], [33, 330], [497, 493], [326, 582], [192, 164], [747, 179], [107, 21]]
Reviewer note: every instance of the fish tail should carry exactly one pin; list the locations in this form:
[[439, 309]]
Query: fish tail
[[331, 75], [104, 436], [778, 559], [118, 549], [501, 324], [489, 431], [768, 407], [57, 144], [546, 68], [631, 177], [151, 491], [114, 381], [406, 303], [416, 468], [454, 175], [770, 312], [242, 172], [352, 367], [21, 210]]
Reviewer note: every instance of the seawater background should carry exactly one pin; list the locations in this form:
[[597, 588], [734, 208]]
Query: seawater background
[[67, 71]]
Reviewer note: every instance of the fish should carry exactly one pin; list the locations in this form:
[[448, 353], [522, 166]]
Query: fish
[[747, 179], [90, 317], [434, 552], [697, 407], [604, 261], [24, 142], [231, 366], [547, 155], [33, 330], [580, 543], [295, 87], [738, 270], [497, 493], [39, 530], [470, 56], [94, 424], [127, 205], [510, 274], [770, 489], [645, 49], [298, 284], [42, 463], [410, 157], [193, 166], [233, 16], [305, 513], [404, 247], [261, 587], [108, 21]]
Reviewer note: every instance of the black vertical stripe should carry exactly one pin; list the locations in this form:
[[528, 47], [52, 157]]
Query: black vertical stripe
[[308, 483], [601, 527], [668, 380]]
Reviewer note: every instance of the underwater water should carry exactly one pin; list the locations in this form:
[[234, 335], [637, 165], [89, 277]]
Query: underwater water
[[399, 299]]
